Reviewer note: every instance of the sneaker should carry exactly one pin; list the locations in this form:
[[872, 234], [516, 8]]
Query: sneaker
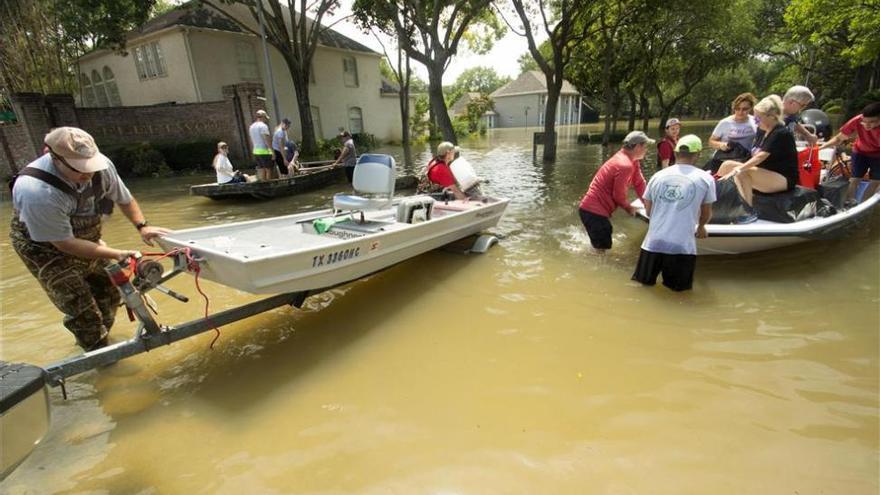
[[747, 218]]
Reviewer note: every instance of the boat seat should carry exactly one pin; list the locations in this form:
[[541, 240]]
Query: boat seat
[[373, 182]]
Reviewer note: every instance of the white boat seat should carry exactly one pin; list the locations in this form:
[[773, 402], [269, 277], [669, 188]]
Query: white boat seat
[[373, 182]]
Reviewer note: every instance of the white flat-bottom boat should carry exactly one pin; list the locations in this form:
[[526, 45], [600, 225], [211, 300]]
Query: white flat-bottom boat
[[286, 254], [763, 235]]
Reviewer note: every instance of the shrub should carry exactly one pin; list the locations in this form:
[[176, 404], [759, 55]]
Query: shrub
[[188, 155], [364, 141], [137, 160]]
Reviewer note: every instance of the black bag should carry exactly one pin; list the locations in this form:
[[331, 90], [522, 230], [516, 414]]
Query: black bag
[[728, 203], [788, 206], [835, 191], [736, 152], [824, 208]]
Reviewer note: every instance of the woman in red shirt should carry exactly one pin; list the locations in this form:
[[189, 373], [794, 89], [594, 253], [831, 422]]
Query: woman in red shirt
[[865, 151]]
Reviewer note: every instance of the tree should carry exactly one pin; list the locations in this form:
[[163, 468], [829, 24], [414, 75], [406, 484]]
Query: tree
[[566, 23], [483, 80], [42, 39], [403, 76], [526, 62], [430, 31], [296, 37]]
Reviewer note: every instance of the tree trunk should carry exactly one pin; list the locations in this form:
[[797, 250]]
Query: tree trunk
[[304, 106], [438, 103], [404, 79], [631, 125], [645, 107], [550, 103]]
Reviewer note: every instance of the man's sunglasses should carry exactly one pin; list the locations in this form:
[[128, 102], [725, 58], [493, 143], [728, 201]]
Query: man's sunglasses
[[64, 162]]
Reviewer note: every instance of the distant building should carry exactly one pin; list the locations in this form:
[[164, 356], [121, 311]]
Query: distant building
[[188, 54], [521, 102], [459, 109]]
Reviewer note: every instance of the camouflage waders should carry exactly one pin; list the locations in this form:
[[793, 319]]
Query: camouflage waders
[[79, 288]]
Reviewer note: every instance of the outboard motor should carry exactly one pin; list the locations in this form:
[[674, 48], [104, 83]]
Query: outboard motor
[[818, 120]]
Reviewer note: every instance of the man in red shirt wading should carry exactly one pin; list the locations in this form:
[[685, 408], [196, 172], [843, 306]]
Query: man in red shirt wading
[[865, 151], [608, 189]]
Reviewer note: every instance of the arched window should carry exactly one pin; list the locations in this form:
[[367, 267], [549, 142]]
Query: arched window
[[355, 120], [100, 94], [111, 88], [87, 90]]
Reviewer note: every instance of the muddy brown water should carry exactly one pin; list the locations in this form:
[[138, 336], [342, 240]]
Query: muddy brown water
[[535, 368]]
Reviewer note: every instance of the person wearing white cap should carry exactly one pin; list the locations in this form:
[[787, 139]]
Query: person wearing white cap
[[608, 189], [679, 204], [666, 147], [439, 174], [57, 201], [261, 145]]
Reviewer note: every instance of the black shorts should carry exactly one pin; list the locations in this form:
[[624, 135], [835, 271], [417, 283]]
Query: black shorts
[[263, 161], [598, 228], [279, 161], [677, 269], [863, 164]]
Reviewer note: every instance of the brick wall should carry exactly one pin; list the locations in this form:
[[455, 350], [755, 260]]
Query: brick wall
[[225, 120], [16, 149]]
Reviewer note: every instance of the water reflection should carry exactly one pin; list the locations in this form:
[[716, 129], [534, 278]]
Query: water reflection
[[536, 368]]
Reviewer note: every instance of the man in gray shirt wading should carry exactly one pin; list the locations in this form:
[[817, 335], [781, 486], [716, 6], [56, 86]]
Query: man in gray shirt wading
[[57, 204], [679, 203]]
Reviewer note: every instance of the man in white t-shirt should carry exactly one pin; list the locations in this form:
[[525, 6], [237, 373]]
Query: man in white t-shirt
[[261, 144], [679, 203]]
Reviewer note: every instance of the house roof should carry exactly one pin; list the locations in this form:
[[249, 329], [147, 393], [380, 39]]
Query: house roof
[[194, 15], [531, 82]]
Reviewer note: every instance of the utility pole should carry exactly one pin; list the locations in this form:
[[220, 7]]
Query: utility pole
[[266, 61]]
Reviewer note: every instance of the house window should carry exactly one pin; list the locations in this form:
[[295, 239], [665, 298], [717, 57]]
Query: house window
[[316, 120], [350, 72], [88, 91], [542, 100], [111, 88], [149, 61], [355, 120], [246, 58], [100, 94]]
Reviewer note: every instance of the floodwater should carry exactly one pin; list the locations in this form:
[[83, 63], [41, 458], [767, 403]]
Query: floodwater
[[535, 368]]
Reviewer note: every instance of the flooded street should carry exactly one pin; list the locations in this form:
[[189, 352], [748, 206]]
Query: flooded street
[[535, 368]]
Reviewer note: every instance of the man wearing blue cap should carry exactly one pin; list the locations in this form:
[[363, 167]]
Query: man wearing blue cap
[[679, 203]]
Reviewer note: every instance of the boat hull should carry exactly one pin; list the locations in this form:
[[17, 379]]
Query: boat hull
[[762, 235], [24, 413], [285, 254], [271, 188]]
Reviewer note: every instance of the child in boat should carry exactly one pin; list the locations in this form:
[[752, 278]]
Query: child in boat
[[865, 150], [666, 147], [225, 173]]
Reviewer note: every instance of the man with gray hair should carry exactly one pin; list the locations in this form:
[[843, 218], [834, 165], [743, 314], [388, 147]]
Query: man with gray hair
[[795, 100], [608, 189]]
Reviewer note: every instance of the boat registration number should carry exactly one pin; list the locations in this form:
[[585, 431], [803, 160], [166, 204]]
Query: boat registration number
[[335, 257]]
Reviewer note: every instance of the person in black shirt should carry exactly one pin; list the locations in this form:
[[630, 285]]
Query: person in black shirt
[[773, 166]]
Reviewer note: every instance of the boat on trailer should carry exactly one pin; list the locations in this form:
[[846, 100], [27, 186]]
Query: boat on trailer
[[762, 235], [292, 257]]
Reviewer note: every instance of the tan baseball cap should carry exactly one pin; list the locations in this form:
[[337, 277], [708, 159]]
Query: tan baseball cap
[[77, 147], [262, 113]]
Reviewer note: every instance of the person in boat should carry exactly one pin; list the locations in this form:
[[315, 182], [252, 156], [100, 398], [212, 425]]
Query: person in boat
[[226, 174], [678, 202], [734, 135], [279, 138], [58, 200], [773, 166], [865, 150], [666, 146], [795, 100], [292, 154], [439, 173], [261, 145], [607, 190], [347, 155]]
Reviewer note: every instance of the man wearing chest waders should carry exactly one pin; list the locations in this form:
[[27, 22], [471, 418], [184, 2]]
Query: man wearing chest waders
[[57, 204]]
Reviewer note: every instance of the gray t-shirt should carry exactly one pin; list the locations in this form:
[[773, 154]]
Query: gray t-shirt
[[278, 140], [728, 130], [676, 194], [46, 210], [351, 157], [256, 131]]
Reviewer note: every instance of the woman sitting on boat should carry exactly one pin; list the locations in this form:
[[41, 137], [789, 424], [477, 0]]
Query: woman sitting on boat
[[225, 173], [773, 166], [734, 135], [439, 175]]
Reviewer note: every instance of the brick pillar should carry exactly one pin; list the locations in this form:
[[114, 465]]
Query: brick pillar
[[244, 101], [30, 108], [61, 110]]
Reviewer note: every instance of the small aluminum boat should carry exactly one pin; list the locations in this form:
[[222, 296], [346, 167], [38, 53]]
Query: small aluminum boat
[[763, 235]]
